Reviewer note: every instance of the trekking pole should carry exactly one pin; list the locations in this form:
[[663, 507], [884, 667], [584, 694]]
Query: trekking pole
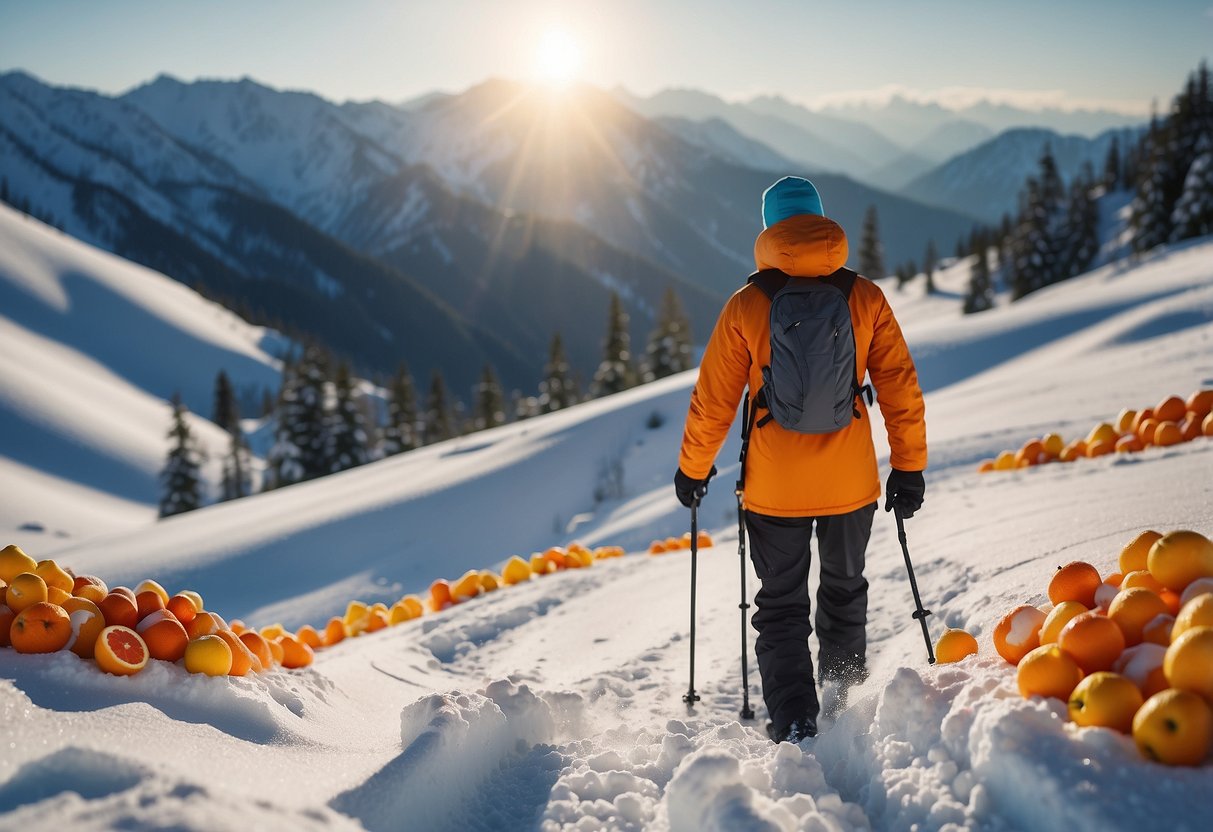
[[919, 612], [746, 711], [691, 697]]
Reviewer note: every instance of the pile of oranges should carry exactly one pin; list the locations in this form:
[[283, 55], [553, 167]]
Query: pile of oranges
[[1132, 651], [1171, 422], [678, 544]]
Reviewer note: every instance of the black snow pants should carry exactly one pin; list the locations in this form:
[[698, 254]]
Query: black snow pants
[[779, 547]]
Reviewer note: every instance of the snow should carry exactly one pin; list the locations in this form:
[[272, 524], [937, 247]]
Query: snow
[[556, 704]]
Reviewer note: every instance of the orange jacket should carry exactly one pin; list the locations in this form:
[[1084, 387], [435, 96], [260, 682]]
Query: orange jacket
[[791, 474]]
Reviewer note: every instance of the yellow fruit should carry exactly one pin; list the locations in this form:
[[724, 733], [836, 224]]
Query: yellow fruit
[[1179, 558], [1174, 727], [151, 586], [209, 655], [1093, 641], [1189, 662], [1053, 444], [399, 614], [193, 596], [56, 596], [953, 646], [414, 605], [1018, 633], [355, 612], [1105, 700], [1134, 608], [13, 562], [489, 582], [1047, 671], [1129, 444], [1057, 618], [1142, 665], [1124, 422], [24, 591], [986, 466], [1133, 556], [1102, 432], [272, 632], [1196, 613], [1004, 462], [467, 586], [516, 571], [1142, 578], [55, 576]]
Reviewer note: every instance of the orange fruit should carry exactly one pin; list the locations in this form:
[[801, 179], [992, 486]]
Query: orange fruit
[[1206, 427], [272, 632], [208, 654], [40, 628], [1170, 409], [87, 623], [1100, 449], [1147, 430], [120, 651], [1018, 633], [1167, 434], [308, 635], [556, 555], [1189, 662], [1047, 671], [236, 626], [56, 596], [1005, 461], [1174, 727], [355, 611], [1133, 556], [1124, 422], [1200, 586], [705, 542], [1129, 444], [1178, 559], [13, 562], [1142, 416], [1200, 403], [1196, 613], [1057, 618], [1030, 452], [1076, 581], [1022, 463], [954, 645], [1142, 578], [1072, 452], [205, 624], [296, 654], [1105, 700], [1189, 428], [516, 571], [400, 614], [541, 565], [334, 632], [54, 575], [164, 636], [7, 617], [276, 652], [1053, 444], [147, 602], [151, 586], [119, 610], [414, 605], [468, 586], [1114, 579], [182, 607], [243, 659], [25, 590], [657, 547], [377, 620], [195, 597], [1093, 641], [260, 648], [1171, 599], [1142, 665], [1101, 433], [1158, 631], [124, 590], [489, 581], [1133, 609], [90, 587], [440, 595]]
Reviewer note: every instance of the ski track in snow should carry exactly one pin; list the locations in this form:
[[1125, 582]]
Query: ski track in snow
[[557, 704]]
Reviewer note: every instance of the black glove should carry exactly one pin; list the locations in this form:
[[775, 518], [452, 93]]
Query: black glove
[[691, 490], [904, 492]]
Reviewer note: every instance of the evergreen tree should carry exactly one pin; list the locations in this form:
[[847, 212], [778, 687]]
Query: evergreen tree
[[930, 259], [1111, 166], [871, 252], [557, 390], [401, 433], [267, 403], [227, 412], [300, 449], [345, 433], [980, 295], [906, 273], [616, 372], [1193, 214], [1082, 225], [1150, 214], [237, 467], [4, 189], [490, 401], [669, 347], [181, 480], [439, 422], [1039, 239]]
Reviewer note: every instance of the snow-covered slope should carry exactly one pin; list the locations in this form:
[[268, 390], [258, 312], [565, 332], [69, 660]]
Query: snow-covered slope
[[557, 704], [91, 348]]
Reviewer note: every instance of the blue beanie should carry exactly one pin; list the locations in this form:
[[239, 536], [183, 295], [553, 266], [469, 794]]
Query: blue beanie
[[788, 197]]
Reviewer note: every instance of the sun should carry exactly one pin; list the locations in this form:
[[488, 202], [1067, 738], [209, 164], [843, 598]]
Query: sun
[[559, 58]]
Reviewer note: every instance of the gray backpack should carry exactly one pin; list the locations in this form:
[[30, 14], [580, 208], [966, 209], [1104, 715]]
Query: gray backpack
[[810, 385]]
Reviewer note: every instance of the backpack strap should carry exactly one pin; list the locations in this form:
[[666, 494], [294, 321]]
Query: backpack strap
[[843, 280], [770, 281]]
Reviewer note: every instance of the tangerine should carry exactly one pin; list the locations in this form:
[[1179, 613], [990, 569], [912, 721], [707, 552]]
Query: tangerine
[[467, 587], [1105, 700], [119, 609], [1200, 403], [440, 595], [1124, 422], [24, 591], [489, 582], [1129, 444], [1094, 641], [1147, 430], [1170, 409], [309, 636], [1101, 433], [954, 645], [1076, 581], [243, 659], [1005, 461], [1057, 618], [1189, 662], [1174, 727], [377, 621], [120, 651], [1018, 633], [208, 654], [1133, 556], [1167, 434], [90, 587], [516, 571], [260, 648], [1133, 609], [1196, 613], [334, 632], [276, 652], [195, 597], [148, 602], [1047, 671], [205, 624], [163, 634], [149, 585], [182, 607], [40, 627], [1100, 449], [296, 654], [1142, 578]]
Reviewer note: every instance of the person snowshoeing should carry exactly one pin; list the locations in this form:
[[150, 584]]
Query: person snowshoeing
[[824, 478]]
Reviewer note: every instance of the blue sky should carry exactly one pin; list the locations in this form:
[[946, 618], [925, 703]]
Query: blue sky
[[1031, 51]]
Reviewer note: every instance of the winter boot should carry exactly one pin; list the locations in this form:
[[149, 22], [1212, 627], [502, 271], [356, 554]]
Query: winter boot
[[798, 729]]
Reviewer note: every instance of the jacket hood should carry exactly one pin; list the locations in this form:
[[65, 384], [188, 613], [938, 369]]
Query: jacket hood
[[805, 245]]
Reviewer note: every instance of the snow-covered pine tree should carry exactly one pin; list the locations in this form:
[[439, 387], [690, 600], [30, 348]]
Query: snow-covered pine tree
[[439, 423], [345, 432], [1111, 166], [490, 401], [181, 484], [930, 259], [1037, 248], [557, 390], [871, 251], [980, 294], [401, 431], [616, 371], [669, 348], [1193, 214], [237, 467], [1082, 224], [1150, 213], [300, 449], [905, 273], [226, 411]]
